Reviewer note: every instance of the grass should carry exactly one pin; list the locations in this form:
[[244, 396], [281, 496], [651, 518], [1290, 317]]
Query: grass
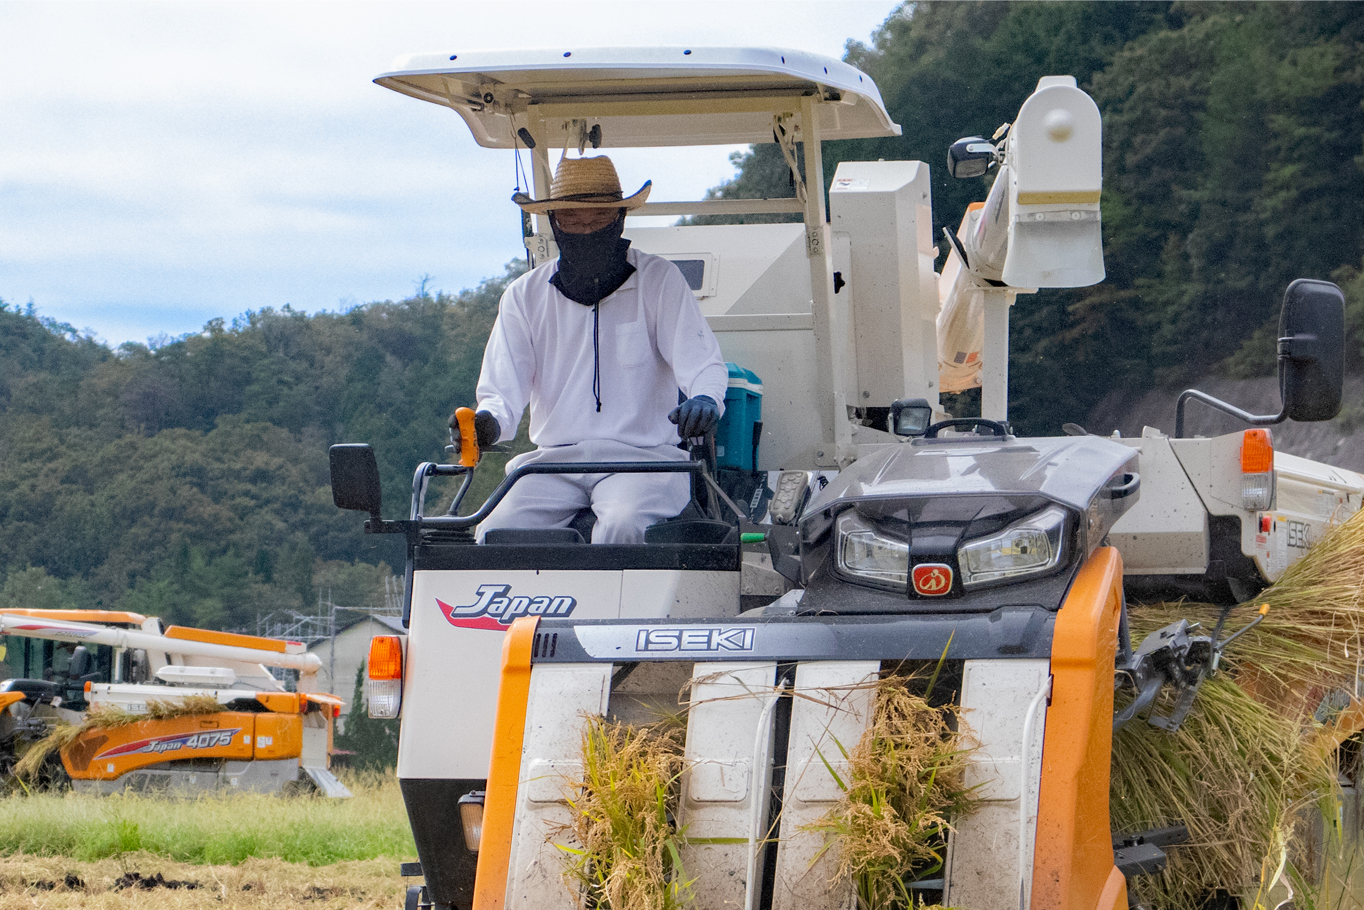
[[623, 817], [216, 829]]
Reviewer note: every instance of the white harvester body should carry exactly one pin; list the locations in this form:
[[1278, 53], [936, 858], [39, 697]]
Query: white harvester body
[[843, 318]]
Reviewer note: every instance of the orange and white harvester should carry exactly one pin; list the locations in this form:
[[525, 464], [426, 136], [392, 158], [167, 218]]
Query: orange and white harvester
[[265, 738]]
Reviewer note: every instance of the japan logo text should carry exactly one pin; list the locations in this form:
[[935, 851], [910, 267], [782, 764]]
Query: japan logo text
[[495, 607], [208, 739], [932, 579]]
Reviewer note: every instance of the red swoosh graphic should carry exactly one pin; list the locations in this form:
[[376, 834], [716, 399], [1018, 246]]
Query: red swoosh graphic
[[470, 622], [65, 630], [139, 745]]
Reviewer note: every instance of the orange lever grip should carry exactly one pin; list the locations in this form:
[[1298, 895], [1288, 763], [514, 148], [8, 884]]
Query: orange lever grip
[[468, 438]]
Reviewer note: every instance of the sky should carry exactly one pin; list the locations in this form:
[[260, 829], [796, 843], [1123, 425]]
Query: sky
[[163, 164]]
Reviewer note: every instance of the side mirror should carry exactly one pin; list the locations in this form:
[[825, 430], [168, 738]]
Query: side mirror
[[355, 478], [1311, 359], [970, 157], [910, 416], [1312, 350]]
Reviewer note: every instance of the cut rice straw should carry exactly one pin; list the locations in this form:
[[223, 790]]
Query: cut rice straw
[[104, 716], [623, 815], [1253, 755], [906, 782], [1312, 637], [1238, 775]]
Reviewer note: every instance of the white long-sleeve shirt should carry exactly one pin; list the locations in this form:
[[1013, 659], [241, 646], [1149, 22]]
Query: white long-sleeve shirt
[[653, 341]]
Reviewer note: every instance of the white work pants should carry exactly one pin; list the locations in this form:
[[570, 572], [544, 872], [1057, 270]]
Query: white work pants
[[625, 504]]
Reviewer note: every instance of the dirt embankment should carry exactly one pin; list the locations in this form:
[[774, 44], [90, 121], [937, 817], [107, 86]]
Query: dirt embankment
[[1339, 442]]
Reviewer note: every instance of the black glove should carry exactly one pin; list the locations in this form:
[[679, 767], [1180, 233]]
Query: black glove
[[696, 416], [486, 429]]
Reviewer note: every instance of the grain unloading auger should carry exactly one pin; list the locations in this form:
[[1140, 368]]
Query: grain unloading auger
[[876, 531], [260, 736]]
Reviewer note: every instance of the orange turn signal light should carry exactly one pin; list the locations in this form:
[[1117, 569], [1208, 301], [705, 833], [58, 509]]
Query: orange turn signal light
[[1257, 451], [385, 657]]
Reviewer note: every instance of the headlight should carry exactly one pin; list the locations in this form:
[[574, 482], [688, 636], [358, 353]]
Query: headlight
[[1029, 547], [869, 556]]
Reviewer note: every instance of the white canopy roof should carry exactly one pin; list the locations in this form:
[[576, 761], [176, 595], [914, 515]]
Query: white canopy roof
[[643, 97]]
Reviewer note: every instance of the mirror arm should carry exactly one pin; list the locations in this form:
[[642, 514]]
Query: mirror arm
[[1257, 420]]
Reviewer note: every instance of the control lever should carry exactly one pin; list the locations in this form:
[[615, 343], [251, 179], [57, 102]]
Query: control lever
[[468, 438], [470, 453]]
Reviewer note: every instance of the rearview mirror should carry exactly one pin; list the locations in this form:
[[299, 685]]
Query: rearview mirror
[[355, 478], [1312, 350], [970, 157], [80, 662], [1311, 359]]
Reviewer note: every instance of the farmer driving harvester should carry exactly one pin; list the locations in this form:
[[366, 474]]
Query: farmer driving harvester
[[598, 343]]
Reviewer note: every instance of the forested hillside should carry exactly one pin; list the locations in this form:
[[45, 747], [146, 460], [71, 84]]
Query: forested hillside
[[1233, 163], [189, 480]]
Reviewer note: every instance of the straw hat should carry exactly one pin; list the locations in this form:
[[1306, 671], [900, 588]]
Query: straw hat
[[584, 183]]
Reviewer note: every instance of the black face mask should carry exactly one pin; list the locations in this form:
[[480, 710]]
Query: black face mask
[[591, 266]]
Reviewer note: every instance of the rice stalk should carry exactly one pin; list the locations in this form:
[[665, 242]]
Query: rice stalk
[[906, 782], [104, 716], [1240, 777], [623, 817], [1312, 640]]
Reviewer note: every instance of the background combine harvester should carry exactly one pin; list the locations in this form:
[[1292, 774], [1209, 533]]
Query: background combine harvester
[[146, 709], [877, 533]]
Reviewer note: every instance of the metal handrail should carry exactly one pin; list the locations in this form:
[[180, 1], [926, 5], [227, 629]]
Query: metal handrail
[[458, 522]]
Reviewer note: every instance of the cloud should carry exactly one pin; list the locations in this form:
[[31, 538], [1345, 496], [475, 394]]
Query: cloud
[[169, 163]]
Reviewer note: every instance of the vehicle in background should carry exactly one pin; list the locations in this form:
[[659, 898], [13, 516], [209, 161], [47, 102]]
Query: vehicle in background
[[259, 737]]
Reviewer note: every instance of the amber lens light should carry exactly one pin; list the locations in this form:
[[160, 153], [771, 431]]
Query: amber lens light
[[384, 687], [1257, 470], [385, 657], [1257, 452]]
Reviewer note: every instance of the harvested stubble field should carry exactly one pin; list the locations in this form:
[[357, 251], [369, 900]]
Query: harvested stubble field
[[239, 851]]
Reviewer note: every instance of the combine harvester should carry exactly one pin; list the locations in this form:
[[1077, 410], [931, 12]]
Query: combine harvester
[[264, 738], [876, 529]]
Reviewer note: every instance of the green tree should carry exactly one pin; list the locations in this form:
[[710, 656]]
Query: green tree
[[188, 479], [32, 588], [374, 742], [1232, 165]]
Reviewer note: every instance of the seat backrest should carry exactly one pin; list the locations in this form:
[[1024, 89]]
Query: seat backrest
[[692, 530]]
